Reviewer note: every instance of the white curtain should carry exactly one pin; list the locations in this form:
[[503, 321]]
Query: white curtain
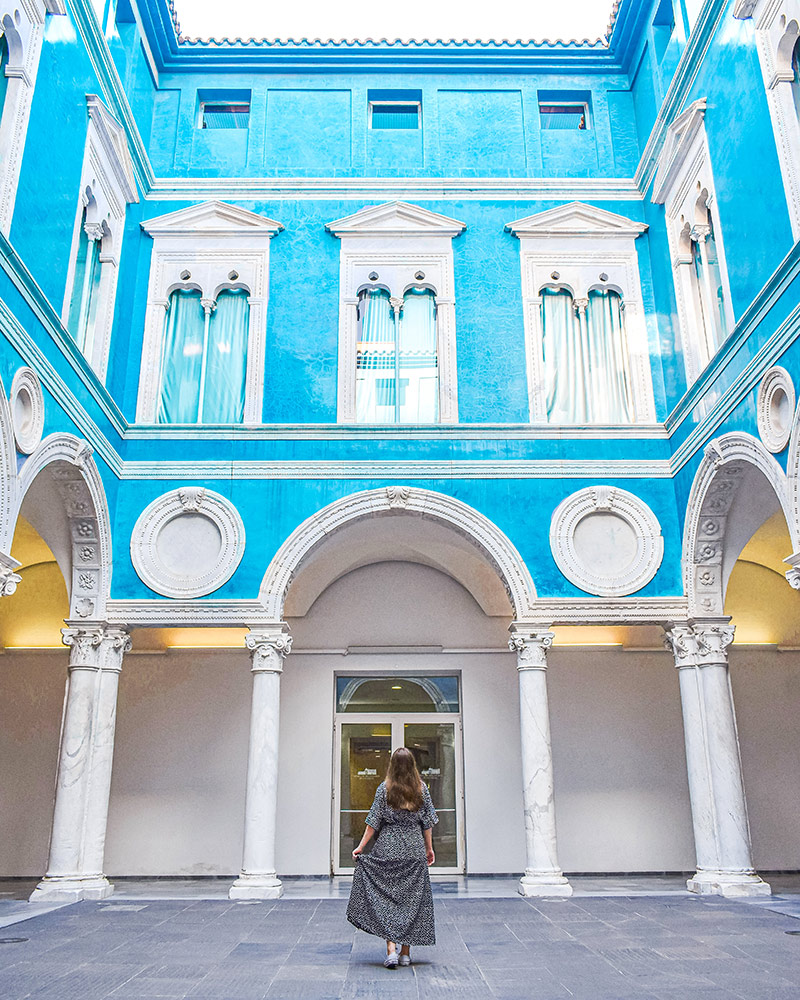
[[182, 358], [226, 359], [375, 358], [586, 359], [418, 375]]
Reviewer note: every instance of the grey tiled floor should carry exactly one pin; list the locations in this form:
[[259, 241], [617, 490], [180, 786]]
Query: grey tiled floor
[[672, 947]]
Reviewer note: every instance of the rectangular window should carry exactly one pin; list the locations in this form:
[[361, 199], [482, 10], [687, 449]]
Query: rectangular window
[[221, 114], [394, 109], [564, 116]]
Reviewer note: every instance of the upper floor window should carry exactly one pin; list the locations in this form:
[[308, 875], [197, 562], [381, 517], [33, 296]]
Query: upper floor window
[[205, 358], [397, 378], [685, 185], [586, 341], [563, 116], [395, 109], [108, 186], [397, 346], [3, 65], [777, 24], [204, 344], [224, 114]]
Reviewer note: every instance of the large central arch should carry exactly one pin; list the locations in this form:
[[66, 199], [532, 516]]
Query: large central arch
[[385, 502]]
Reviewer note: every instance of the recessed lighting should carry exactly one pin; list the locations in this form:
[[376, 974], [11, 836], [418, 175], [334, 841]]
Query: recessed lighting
[[397, 687]]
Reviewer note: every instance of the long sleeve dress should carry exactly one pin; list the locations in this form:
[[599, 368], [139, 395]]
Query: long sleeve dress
[[391, 895]]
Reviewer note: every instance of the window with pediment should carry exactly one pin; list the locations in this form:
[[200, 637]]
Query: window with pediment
[[21, 32], [684, 184], [777, 27], [204, 346], [397, 350], [586, 340], [107, 187]]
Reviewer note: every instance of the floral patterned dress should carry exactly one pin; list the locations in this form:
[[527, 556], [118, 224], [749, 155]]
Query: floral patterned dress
[[391, 895]]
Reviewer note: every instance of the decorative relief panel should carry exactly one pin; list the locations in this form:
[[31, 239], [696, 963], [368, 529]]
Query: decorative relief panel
[[775, 408], [606, 541], [187, 543], [27, 410]]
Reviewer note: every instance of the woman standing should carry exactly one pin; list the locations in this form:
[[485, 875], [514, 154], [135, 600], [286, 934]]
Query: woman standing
[[391, 895]]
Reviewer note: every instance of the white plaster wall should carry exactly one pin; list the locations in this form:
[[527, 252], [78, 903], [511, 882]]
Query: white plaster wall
[[180, 759], [766, 691], [31, 702], [622, 798]]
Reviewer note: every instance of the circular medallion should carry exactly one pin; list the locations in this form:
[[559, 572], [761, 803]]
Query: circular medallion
[[606, 541], [187, 543], [775, 408], [27, 410]]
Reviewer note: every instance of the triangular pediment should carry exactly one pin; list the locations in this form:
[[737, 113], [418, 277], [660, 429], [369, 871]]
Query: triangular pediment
[[396, 218], [576, 219], [212, 218], [677, 144], [115, 144]]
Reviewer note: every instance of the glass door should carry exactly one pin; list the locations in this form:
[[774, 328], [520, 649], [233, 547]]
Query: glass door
[[376, 715]]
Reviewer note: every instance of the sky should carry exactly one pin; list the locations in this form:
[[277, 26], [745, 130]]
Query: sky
[[512, 19]]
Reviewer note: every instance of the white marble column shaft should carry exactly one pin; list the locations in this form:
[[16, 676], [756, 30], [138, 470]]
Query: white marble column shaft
[[543, 876], [83, 783], [259, 879], [716, 787]]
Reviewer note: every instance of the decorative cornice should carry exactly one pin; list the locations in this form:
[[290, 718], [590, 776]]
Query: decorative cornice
[[678, 142], [576, 220], [211, 219], [396, 218], [114, 141]]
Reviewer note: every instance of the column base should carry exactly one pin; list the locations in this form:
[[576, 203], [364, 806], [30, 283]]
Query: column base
[[544, 884], [262, 886], [71, 889], [718, 883]]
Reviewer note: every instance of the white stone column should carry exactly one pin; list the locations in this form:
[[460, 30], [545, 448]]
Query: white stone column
[[543, 876], [259, 880], [716, 788], [80, 814]]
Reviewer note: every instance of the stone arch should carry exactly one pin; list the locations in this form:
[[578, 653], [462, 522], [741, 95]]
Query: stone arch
[[793, 478], [724, 469], [8, 473], [392, 500], [81, 537]]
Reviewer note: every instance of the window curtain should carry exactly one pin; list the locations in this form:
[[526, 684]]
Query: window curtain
[[611, 399], [85, 290], [796, 78], [565, 359], [586, 366], [3, 77], [418, 362], [226, 359], [709, 291], [182, 358], [375, 358]]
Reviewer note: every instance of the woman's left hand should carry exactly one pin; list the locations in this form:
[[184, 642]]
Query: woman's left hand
[[356, 852], [430, 857]]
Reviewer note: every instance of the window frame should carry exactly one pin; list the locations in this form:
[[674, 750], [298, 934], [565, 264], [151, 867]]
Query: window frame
[[579, 243], [201, 121], [777, 31], [397, 240], [683, 180], [201, 247], [107, 187], [587, 121], [372, 104]]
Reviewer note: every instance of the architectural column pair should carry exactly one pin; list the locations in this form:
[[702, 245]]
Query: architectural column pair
[[77, 840], [259, 880], [543, 876], [716, 788]]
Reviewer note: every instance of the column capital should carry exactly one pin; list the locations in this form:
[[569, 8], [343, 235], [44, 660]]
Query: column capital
[[530, 644], [700, 642], [95, 645], [699, 233], [580, 305], [396, 302], [269, 647], [8, 577]]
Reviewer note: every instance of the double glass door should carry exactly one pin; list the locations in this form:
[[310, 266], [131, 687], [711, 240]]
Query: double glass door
[[364, 744]]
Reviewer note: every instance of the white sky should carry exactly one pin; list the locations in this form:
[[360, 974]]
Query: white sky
[[497, 19]]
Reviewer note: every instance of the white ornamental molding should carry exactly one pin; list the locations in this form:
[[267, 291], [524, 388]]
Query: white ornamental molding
[[27, 410], [187, 543], [606, 541], [775, 408]]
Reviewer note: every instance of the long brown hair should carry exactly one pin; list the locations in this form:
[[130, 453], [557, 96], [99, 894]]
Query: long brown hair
[[403, 781]]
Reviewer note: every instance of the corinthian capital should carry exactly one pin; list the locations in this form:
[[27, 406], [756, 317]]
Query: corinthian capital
[[530, 645], [8, 577], [700, 642], [269, 647], [96, 646]]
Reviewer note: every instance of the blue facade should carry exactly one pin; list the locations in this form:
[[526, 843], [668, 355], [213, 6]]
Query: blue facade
[[480, 155]]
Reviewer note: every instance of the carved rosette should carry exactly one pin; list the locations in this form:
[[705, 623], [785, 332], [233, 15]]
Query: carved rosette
[[269, 648], [531, 647], [700, 644], [96, 646]]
